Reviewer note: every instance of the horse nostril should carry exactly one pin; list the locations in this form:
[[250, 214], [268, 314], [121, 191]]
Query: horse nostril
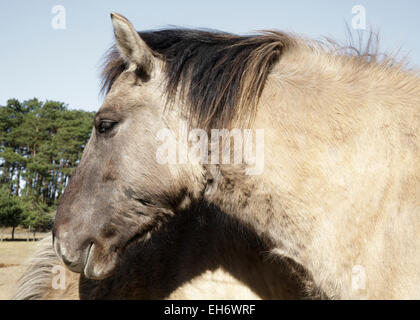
[[67, 262], [75, 260], [76, 265]]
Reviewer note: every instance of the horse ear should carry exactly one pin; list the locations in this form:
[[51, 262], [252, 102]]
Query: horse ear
[[131, 47]]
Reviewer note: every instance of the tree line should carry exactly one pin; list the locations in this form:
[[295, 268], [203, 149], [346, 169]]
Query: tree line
[[41, 144]]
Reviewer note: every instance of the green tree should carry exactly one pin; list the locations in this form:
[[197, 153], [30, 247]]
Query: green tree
[[11, 210], [37, 217], [41, 144]]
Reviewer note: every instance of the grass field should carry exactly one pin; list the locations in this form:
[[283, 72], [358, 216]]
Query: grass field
[[13, 255]]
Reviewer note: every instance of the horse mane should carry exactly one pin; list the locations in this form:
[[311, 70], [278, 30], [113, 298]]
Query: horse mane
[[220, 75], [364, 48], [36, 281]]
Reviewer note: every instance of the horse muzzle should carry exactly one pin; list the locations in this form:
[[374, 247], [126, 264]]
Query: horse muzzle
[[89, 259], [75, 260]]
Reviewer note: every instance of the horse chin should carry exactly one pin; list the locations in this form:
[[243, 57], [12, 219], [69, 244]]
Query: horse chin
[[99, 266]]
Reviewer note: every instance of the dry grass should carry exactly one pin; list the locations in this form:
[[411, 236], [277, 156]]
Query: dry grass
[[21, 234], [13, 255]]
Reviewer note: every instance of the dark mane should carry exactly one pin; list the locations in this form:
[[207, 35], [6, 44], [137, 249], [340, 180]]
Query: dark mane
[[219, 75]]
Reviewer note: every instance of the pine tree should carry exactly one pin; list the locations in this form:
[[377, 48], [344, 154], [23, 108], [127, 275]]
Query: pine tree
[[41, 144]]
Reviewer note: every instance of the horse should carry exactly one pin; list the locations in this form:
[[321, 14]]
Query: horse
[[201, 254], [338, 192]]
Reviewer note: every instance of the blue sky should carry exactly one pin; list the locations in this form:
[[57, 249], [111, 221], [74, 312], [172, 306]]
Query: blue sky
[[40, 61]]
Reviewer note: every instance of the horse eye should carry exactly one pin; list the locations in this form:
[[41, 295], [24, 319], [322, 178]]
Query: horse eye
[[106, 125]]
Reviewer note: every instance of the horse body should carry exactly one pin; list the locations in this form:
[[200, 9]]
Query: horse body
[[342, 170], [340, 188]]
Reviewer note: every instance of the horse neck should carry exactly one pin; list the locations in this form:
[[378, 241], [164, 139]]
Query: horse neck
[[312, 109]]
